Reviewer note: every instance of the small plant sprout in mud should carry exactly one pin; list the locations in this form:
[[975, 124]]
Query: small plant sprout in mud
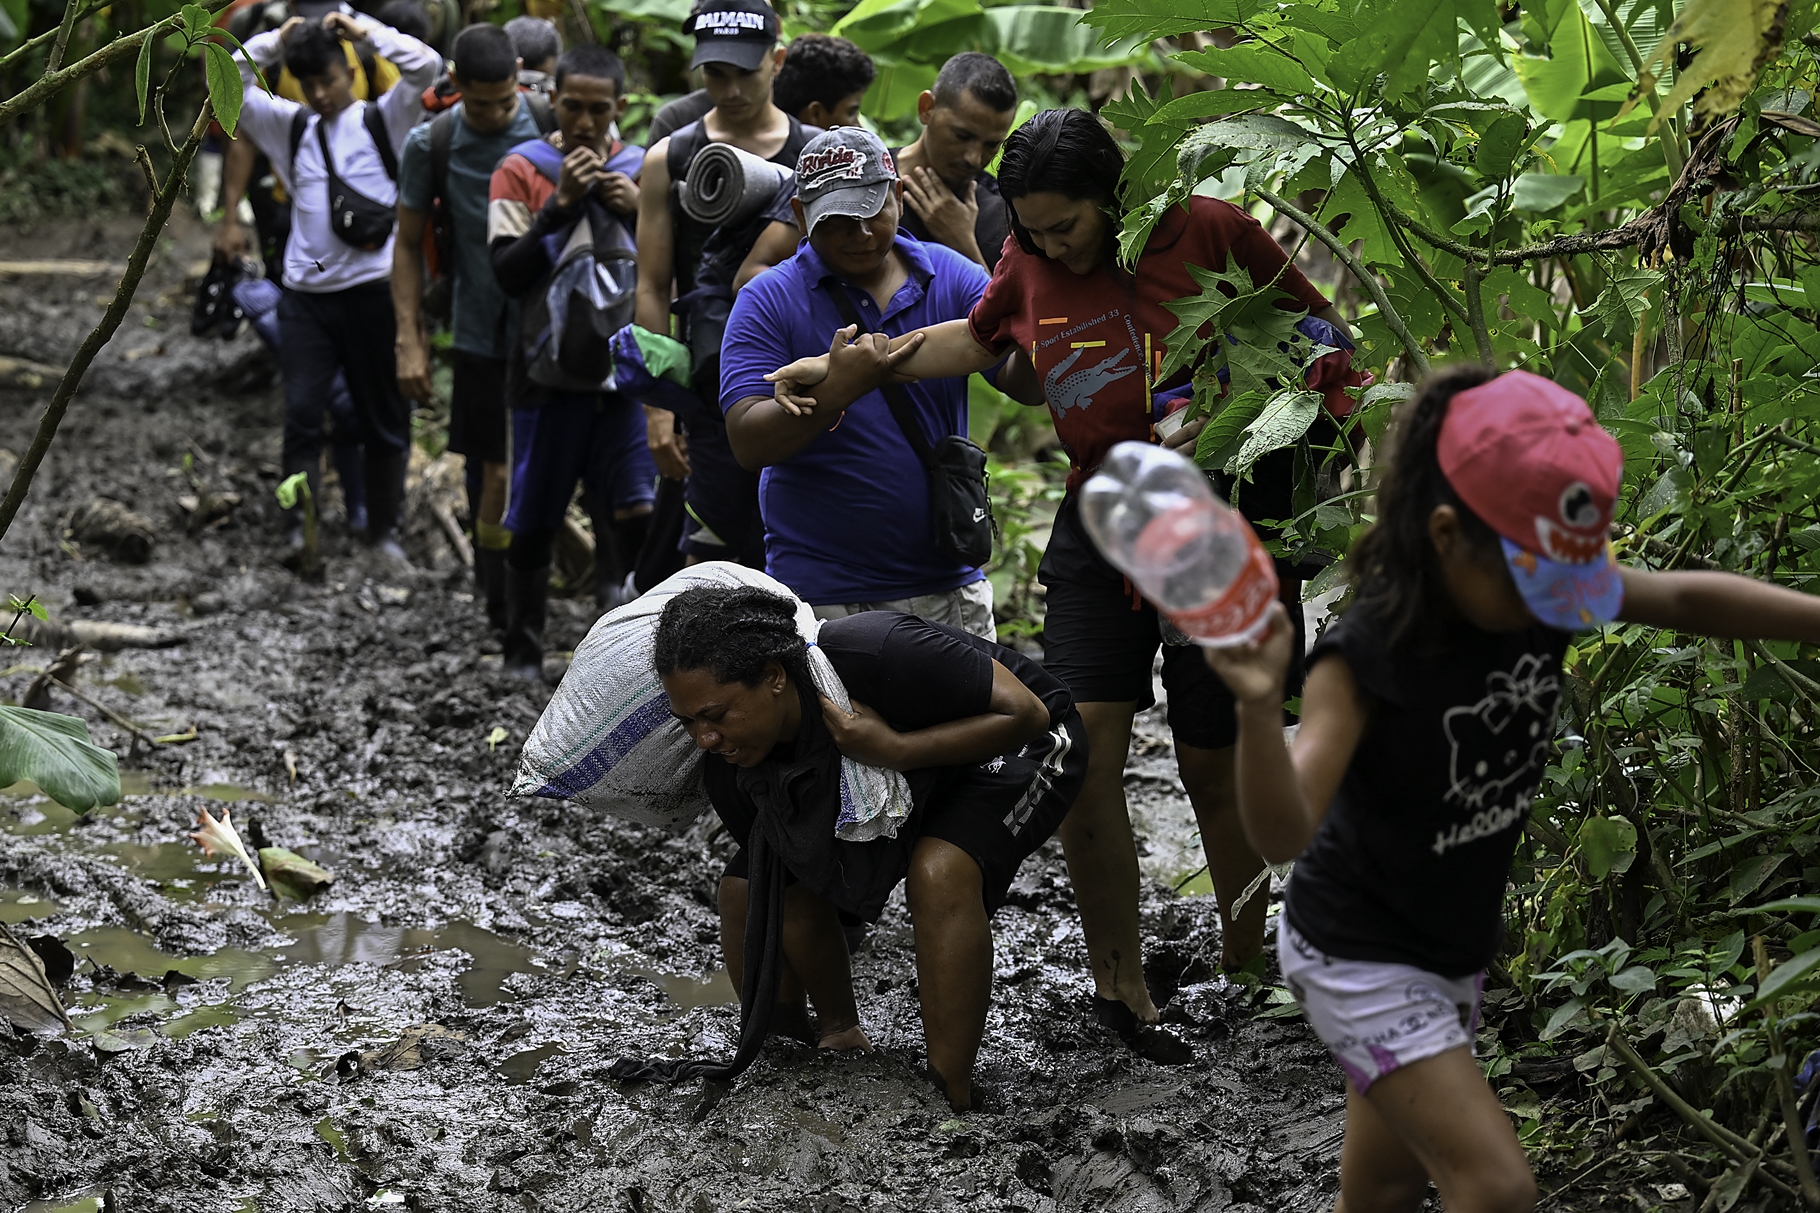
[[21, 607], [498, 735], [292, 490], [220, 838]]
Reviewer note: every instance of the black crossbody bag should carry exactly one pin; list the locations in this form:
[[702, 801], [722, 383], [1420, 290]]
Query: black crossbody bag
[[960, 508], [354, 218]]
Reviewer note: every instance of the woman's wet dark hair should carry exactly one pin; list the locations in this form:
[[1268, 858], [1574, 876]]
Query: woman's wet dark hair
[[733, 632], [1064, 152], [1393, 566]]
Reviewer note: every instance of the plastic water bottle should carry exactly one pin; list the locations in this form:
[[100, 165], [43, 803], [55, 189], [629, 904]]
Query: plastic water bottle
[[1157, 520]]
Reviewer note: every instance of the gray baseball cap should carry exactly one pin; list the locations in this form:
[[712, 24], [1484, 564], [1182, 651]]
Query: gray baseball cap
[[845, 171]]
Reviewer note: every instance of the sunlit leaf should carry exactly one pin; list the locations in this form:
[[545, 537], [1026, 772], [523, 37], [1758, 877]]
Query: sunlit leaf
[[1609, 844], [1284, 418], [226, 90], [1734, 38]]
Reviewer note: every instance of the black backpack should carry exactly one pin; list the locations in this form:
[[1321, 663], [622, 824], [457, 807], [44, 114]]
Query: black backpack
[[354, 218], [566, 325]]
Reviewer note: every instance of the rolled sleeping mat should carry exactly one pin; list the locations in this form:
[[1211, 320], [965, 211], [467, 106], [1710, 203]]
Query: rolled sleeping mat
[[729, 186]]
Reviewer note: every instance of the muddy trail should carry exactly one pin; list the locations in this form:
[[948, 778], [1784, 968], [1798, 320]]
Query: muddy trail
[[434, 1030]]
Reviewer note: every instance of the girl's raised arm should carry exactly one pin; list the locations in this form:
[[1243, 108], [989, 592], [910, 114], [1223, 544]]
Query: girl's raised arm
[[1283, 796]]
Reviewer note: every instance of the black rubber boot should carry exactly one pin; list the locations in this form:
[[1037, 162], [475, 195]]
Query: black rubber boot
[[527, 609], [490, 585], [385, 501], [609, 570], [348, 461]]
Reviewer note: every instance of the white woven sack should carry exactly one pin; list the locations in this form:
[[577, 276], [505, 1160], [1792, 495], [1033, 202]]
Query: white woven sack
[[607, 739]]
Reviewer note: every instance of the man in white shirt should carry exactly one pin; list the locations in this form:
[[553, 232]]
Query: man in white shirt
[[337, 306]]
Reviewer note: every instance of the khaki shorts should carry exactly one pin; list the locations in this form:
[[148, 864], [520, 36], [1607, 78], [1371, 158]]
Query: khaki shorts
[[968, 608]]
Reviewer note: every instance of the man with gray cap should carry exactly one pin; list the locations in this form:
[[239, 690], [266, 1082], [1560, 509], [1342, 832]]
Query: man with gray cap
[[845, 497], [736, 46]]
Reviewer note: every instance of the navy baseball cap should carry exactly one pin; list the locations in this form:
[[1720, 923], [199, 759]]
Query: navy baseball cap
[[740, 32], [845, 171]]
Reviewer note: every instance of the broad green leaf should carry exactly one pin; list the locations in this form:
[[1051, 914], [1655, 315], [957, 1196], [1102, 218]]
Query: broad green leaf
[[1750, 875], [1637, 977], [1283, 420], [1672, 492], [1378, 404], [1786, 977], [1563, 1018], [1401, 40], [912, 30], [226, 89], [1150, 19], [1544, 191], [670, 12], [1207, 103], [1032, 39], [1228, 298], [1252, 63], [1624, 300], [1362, 222], [1210, 149], [1227, 429], [54, 752], [142, 74], [1499, 144], [1809, 905], [196, 20], [895, 89], [1578, 64], [1609, 845]]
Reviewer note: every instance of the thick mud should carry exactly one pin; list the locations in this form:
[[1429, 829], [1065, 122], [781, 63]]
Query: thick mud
[[434, 1030]]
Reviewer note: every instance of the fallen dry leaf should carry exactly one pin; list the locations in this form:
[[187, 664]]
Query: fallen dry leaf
[[26, 997], [291, 874]]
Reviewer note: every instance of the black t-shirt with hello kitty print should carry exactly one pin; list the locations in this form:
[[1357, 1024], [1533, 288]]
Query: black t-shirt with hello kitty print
[[1410, 864]]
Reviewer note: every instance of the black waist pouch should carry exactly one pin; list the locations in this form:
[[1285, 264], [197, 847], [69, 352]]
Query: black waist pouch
[[355, 218]]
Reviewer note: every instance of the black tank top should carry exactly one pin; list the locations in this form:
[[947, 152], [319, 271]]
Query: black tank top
[[687, 235]]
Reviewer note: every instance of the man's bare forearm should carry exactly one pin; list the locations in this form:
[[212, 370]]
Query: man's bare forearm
[[762, 434]]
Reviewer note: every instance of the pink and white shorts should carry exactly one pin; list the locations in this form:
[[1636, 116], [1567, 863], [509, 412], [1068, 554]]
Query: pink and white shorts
[[1374, 1016]]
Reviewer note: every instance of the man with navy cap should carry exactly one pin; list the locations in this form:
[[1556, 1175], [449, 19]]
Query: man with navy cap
[[736, 48], [845, 499]]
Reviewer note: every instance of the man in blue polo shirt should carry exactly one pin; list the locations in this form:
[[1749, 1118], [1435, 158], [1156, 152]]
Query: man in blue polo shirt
[[844, 498]]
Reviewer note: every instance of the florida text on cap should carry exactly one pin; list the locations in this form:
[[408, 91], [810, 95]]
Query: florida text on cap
[[845, 171], [739, 32], [1528, 457]]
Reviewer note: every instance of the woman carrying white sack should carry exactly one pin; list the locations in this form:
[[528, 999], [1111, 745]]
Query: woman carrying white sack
[[993, 753]]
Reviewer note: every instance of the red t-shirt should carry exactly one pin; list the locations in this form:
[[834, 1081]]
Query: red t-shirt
[[1098, 339]]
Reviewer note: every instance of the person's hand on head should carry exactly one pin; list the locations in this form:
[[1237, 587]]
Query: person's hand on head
[[619, 192], [862, 734], [581, 171], [346, 24], [950, 219], [1254, 671], [285, 30]]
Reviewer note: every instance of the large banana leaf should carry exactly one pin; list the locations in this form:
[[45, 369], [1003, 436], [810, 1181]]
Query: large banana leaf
[[1040, 38], [1580, 79], [54, 752]]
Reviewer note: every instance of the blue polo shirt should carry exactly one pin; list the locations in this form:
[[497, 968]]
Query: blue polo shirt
[[847, 519]]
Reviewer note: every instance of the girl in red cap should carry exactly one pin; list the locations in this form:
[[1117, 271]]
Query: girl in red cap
[[1428, 716]]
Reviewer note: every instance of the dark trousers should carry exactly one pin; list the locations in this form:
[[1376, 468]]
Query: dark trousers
[[350, 331]]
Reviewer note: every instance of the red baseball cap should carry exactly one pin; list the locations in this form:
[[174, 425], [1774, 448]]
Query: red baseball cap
[[1529, 457]]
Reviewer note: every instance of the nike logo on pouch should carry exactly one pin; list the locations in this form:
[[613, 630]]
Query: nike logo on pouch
[[979, 515]]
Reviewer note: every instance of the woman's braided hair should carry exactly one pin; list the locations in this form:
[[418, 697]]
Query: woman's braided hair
[[1393, 566], [733, 632]]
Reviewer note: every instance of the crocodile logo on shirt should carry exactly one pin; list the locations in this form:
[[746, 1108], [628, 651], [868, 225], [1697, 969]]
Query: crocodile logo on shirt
[[1076, 391], [1498, 744]]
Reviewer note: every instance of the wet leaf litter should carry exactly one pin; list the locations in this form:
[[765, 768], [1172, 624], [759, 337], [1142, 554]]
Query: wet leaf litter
[[239, 1051]]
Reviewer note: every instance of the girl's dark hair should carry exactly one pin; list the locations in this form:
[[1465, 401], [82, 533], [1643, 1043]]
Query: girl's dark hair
[[312, 49], [1393, 566], [1064, 152], [733, 632]]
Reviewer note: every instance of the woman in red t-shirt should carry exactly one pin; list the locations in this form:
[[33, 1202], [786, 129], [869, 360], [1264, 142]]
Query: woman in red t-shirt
[[1096, 335]]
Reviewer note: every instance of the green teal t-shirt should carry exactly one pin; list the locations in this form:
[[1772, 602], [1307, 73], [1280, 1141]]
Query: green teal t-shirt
[[480, 305]]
